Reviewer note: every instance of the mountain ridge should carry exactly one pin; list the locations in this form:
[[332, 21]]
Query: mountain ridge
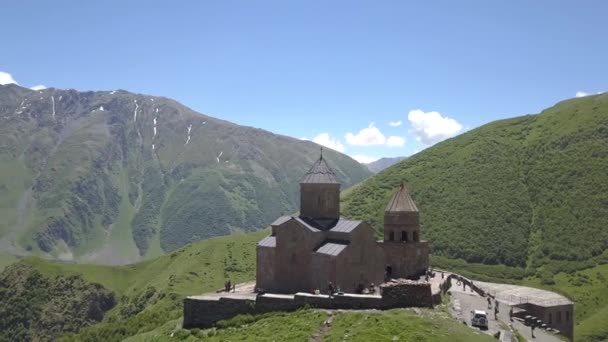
[[82, 168], [383, 163]]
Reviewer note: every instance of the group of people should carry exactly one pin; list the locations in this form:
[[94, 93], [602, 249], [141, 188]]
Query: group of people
[[335, 289], [371, 289], [495, 307]]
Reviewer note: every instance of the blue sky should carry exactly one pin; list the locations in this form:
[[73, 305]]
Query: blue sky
[[336, 71]]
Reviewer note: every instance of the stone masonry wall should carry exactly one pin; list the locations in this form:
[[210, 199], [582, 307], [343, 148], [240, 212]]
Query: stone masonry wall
[[200, 313], [406, 293], [203, 313]]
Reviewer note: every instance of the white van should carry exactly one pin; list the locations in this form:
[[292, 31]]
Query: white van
[[479, 318]]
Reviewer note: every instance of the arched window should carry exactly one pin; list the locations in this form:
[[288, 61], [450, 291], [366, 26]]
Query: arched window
[[559, 317], [416, 236], [391, 236], [404, 236], [567, 316], [550, 318]]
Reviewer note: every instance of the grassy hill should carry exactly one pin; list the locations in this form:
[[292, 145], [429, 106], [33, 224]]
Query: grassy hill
[[525, 192], [395, 325], [521, 200], [112, 176], [149, 296]]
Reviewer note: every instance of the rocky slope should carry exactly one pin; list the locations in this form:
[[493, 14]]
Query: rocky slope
[[111, 176]]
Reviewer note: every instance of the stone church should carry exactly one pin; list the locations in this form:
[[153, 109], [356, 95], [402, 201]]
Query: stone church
[[319, 246]]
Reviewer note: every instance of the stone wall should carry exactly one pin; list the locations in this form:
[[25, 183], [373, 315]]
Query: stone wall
[[265, 269], [293, 259], [560, 317], [202, 313], [406, 293], [346, 301], [406, 258], [272, 302], [320, 200]]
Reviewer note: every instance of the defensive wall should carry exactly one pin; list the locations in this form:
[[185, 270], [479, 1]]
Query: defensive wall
[[204, 311]]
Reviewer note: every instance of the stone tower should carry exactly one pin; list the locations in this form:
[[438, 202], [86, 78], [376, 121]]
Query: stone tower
[[401, 221], [320, 192]]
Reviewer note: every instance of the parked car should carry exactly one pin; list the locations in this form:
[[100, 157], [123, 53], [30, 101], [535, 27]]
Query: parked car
[[479, 318]]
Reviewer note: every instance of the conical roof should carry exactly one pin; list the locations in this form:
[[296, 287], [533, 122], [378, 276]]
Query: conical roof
[[401, 202], [320, 173]]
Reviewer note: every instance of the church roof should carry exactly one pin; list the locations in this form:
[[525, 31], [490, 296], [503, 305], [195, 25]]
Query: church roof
[[320, 173], [269, 241], [280, 220], [306, 224], [331, 248], [341, 225], [401, 201], [345, 226]]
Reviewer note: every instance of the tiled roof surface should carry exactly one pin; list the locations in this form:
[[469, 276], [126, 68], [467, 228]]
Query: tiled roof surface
[[320, 173], [331, 248], [280, 220], [341, 225], [306, 224], [269, 241], [401, 201], [345, 226]]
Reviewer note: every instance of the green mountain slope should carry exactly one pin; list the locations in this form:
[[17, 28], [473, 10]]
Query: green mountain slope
[[527, 191], [35, 307], [383, 163], [113, 176], [149, 296]]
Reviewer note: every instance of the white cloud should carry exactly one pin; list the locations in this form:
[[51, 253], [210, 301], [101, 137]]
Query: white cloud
[[6, 78], [304, 139], [394, 141], [583, 94], [364, 159], [366, 137], [325, 140], [396, 123], [38, 87], [432, 127]]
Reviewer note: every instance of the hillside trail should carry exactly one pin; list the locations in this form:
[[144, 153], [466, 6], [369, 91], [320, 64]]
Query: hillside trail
[[324, 329]]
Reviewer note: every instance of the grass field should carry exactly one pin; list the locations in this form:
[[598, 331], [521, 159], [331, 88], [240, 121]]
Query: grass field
[[393, 325]]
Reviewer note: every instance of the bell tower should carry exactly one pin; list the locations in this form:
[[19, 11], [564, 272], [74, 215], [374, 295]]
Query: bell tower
[[401, 218], [320, 192]]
